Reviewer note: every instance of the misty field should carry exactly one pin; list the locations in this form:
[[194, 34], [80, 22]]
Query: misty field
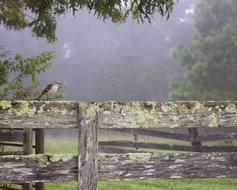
[[65, 144]]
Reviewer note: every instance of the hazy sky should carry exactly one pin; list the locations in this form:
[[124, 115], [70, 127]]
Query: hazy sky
[[104, 61]]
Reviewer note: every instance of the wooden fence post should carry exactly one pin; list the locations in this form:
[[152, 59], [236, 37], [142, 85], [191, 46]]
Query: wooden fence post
[[193, 132], [27, 149], [39, 149], [88, 147], [135, 137]]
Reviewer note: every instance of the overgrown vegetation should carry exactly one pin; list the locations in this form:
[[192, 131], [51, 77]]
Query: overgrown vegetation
[[41, 16], [18, 78]]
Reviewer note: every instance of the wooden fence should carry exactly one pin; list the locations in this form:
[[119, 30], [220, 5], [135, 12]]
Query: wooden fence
[[88, 166], [177, 135]]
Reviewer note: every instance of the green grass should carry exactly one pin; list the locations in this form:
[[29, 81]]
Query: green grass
[[196, 184]]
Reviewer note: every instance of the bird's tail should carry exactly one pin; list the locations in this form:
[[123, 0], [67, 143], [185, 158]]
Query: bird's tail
[[39, 97]]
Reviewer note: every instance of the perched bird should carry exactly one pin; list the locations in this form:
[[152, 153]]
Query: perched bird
[[50, 89]]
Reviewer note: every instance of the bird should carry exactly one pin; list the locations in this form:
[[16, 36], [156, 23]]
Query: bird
[[50, 89]]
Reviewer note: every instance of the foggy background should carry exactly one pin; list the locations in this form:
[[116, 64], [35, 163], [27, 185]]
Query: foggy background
[[105, 61]]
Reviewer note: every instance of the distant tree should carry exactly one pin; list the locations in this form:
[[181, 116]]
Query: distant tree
[[17, 72], [210, 61], [40, 15]]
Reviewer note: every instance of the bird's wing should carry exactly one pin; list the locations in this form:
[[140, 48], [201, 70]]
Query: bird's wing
[[47, 89]]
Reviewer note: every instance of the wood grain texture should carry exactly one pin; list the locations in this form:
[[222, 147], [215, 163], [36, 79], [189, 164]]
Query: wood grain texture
[[134, 166], [161, 166], [168, 114], [27, 141], [37, 114], [39, 141], [21, 114], [40, 145], [37, 168], [88, 148], [27, 149]]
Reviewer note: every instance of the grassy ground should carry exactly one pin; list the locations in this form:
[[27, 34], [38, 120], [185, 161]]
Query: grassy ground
[[197, 184]]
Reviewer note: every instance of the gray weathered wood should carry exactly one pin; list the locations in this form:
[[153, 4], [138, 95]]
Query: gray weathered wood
[[88, 148], [37, 168], [11, 135], [11, 153], [13, 144], [173, 135], [27, 149], [27, 141], [169, 114], [26, 186], [36, 114], [39, 141], [39, 144], [151, 166], [175, 147], [134, 166]]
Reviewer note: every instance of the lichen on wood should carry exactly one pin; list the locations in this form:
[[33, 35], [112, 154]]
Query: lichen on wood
[[88, 147], [46, 114], [35, 114], [140, 157], [17, 108], [168, 114], [35, 168], [45, 168]]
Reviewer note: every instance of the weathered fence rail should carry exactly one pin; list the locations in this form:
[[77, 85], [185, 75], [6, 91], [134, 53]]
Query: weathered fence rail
[[88, 166], [175, 135], [119, 114], [174, 147], [35, 168], [13, 136]]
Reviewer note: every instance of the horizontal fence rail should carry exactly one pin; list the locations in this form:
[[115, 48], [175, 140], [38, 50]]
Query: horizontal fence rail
[[173, 147], [34, 114], [175, 135], [133, 166], [13, 136]]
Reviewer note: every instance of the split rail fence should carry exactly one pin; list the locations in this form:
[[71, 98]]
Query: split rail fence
[[89, 166]]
